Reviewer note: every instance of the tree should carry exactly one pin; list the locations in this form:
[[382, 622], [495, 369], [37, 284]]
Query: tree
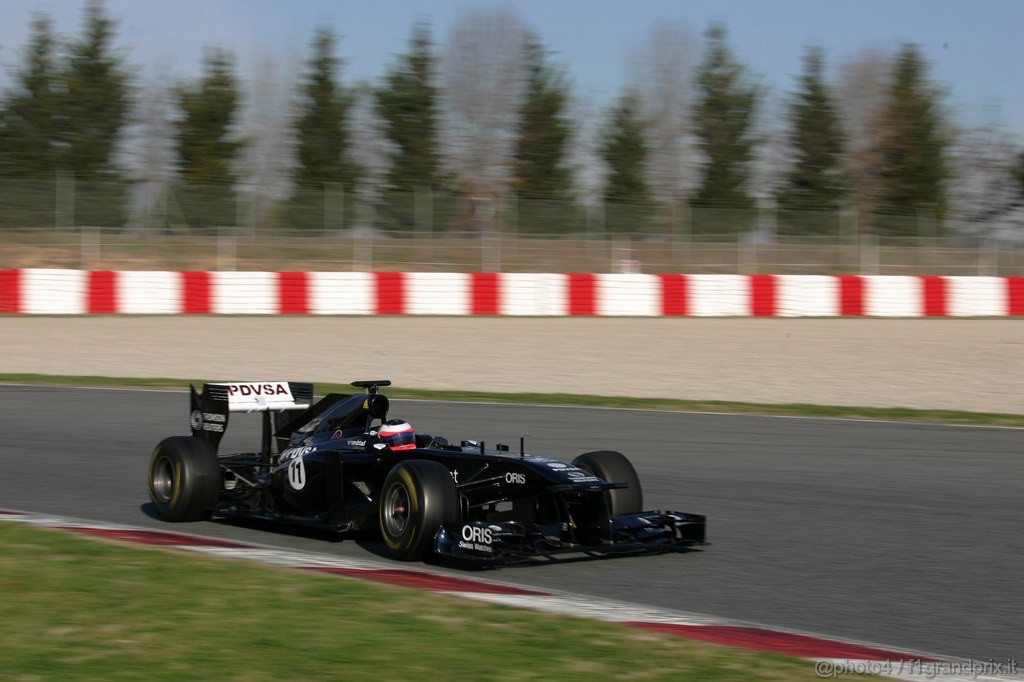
[[95, 110], [543, 132], [30, 134], [323, 139], [664, 81], [267, 122], [1018, 174], [542, 178], [406, 103], [861, 96], [913, 168], [152, 157], [624, 150], [206, 148], [815, 180], [97, 101], [987, 197], [724, 118], [484, 75], [32, 110]]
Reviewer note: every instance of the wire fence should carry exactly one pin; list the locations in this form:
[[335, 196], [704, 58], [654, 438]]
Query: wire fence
[[115, 226]]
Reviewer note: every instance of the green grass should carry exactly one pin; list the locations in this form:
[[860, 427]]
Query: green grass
[[790, 409], [77, 608]]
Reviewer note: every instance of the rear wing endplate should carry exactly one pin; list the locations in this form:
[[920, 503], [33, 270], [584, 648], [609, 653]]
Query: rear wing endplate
[[208, 418]]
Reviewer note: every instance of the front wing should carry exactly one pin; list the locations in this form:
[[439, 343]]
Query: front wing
[[653, 531]]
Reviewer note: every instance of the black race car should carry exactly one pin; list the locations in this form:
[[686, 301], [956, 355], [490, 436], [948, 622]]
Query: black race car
[[327, 464]]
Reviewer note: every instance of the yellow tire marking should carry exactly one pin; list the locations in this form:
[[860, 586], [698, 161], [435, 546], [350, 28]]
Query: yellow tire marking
[[177, 484], [414, 504], [152, 464]]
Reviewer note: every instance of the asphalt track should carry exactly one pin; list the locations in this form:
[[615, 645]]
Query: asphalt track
[[907, 535]]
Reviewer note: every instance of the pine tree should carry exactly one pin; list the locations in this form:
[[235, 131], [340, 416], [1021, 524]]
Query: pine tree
[[724, 118], [544, 131], [30, 134], [97, 100], [323, 138], [542, 178], [814, 187], [206, 148], [913, 165], [32, 110], [95, 109], [407, 105], [624, 150]]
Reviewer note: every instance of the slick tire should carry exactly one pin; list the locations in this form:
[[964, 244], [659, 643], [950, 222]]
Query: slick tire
[[417, 497], [184, 479], [614, 467]]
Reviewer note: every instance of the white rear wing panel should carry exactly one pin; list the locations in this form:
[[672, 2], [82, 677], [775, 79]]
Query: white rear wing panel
[[262, 396]]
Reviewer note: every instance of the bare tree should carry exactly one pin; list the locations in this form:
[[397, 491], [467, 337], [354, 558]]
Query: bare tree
[[585, 152], [266, 162], [863, 88], [148, 153], [483, 76], [663, 80], [773, 156], [369, 145], [986, 195]]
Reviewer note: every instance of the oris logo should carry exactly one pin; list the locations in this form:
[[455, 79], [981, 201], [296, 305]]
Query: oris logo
[[476, 534], [515, 479], [195, 420], [258, 389]]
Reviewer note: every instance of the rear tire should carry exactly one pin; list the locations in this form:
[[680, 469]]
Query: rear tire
[[417, 497], [613, 467], [184, 479]]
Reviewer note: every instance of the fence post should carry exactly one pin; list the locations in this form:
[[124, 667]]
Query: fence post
[[227, 248], [681, 237], [850, 217], [595, 228], [334, 208], [362, 238], [989, 248], [251, 208], [512, 225], [64, 215], [423, 205], [89, 256], [746, 255], [869, 245], [491, 243], [242, 208]]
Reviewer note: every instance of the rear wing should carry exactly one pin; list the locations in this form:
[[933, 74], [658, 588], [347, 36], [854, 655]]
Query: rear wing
[[211, 408]]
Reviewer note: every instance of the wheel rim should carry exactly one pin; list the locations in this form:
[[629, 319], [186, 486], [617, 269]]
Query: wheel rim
[[396, 509], [163, 479]]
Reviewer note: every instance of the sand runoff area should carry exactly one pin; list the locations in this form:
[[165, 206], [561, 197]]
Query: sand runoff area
[[958, 364]]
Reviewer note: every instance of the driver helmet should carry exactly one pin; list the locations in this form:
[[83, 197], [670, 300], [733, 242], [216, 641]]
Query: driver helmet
[[397, 435]]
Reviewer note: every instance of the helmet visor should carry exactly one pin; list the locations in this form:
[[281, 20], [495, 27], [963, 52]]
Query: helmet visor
[[406, 440]]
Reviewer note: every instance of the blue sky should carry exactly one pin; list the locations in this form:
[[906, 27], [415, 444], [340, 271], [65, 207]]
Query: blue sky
[[973, 45]]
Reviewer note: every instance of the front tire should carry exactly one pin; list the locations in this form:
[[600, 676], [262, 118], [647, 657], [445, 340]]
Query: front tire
[[613, 467], [184, 479], [417, 497]]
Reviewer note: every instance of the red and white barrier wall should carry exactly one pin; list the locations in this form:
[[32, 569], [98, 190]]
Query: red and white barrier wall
[[77, 292]]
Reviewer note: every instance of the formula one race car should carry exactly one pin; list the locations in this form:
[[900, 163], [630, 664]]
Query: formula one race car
[[340, 464]]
